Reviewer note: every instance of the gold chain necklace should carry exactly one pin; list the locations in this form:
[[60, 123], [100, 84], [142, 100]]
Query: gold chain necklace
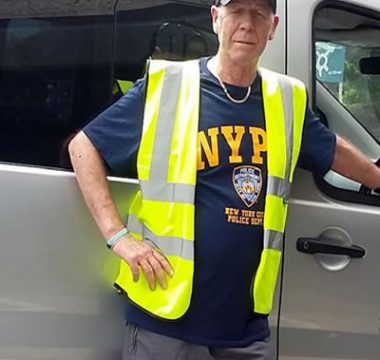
[[229, 96]]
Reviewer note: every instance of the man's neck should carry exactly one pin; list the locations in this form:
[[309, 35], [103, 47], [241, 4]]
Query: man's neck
[[232, 73]]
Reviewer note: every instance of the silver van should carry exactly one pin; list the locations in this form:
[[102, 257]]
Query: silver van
[[60, 65]]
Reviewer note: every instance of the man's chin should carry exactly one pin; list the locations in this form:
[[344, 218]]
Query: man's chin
[[243, 56]]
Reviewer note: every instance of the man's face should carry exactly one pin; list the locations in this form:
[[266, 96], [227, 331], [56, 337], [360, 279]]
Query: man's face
[[244, 28]]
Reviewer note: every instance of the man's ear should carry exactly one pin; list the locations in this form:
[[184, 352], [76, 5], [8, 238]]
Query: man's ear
[[276, 20], [215, 18]]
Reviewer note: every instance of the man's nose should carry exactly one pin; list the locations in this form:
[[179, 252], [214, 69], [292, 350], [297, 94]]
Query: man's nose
[[247, 21]]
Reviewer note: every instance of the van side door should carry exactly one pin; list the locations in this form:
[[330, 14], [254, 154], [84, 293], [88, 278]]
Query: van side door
[[331, 296]]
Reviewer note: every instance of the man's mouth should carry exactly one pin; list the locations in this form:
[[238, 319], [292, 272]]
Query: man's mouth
[[244, 42]]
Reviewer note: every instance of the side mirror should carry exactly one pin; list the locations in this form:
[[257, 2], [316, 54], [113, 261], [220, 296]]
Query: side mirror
[[370, 66]]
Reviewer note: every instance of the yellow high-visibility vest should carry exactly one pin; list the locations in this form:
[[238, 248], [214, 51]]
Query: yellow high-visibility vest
[[163, 211]]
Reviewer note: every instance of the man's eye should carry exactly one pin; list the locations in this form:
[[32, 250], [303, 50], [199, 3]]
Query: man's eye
[[236, 10], [259, 15]]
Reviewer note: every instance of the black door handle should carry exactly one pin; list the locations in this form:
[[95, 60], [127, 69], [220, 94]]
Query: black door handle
[[315, 246]]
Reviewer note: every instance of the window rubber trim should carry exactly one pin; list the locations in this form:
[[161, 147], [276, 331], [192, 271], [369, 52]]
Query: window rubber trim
[[346, 195]]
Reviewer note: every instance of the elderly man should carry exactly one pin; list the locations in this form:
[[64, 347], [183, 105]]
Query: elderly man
[[215, 143]]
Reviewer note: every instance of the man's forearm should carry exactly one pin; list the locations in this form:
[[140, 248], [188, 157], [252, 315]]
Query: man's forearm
[[91, 176], [351, 163]]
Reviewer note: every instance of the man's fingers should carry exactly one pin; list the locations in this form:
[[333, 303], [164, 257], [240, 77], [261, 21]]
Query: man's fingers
[[135, 271], [138, 254], [164, 263], [149, 273], [158, 270]]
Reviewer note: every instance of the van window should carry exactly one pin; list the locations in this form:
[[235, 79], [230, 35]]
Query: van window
[[59, 70], [56, 74], [343, 41], [347, 79]]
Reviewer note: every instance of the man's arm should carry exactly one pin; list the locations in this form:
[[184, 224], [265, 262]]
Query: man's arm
[[351, 163], [92, 180]]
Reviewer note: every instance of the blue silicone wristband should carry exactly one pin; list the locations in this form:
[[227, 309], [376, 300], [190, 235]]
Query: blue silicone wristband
[[116, 238]]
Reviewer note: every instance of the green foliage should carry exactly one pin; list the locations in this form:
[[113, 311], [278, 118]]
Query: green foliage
[[361, 93]]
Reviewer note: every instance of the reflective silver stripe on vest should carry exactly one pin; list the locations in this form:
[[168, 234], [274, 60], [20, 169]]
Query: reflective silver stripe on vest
[[273, 240], [159, 189], [179, 193], [170, 245], [133, 225], [167, 245], [277, 186], [286, 88]]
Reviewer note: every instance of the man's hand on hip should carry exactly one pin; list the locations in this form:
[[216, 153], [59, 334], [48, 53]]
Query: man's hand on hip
[[137, 253]]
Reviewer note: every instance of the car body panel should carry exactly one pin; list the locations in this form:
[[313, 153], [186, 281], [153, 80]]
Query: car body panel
[[330, 304], [57, 299]]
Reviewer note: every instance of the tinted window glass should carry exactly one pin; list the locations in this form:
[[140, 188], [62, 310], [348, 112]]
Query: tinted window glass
[[57, 66], [56, 74]]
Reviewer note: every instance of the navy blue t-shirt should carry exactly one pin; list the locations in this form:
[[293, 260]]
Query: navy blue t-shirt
[[230, 199]]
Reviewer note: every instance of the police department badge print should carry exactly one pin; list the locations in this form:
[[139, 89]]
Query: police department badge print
[[247, 181]]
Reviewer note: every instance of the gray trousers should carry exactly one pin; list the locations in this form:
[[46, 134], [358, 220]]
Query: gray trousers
[[140, 344]]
